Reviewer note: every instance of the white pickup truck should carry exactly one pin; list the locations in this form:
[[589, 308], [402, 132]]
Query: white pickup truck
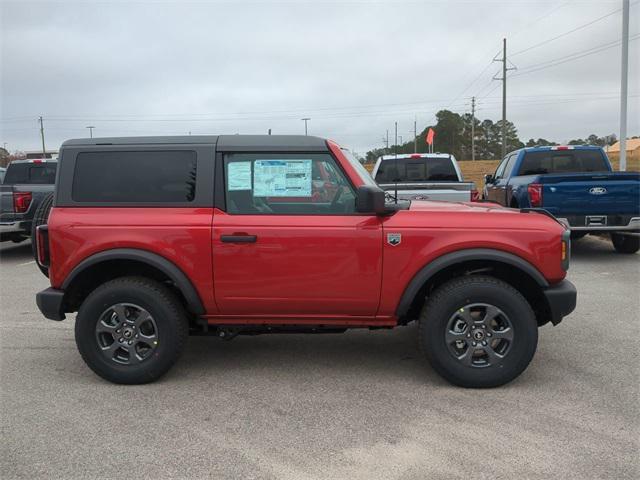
[[424, 176]]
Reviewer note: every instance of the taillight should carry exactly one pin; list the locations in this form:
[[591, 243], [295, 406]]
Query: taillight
[[42, 245], [475, 195], [21, 201], [535, 194]]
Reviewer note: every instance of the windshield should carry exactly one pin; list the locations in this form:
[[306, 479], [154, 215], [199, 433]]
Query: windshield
[[563, 161], [35, 173], [364, 174], [411, 170]]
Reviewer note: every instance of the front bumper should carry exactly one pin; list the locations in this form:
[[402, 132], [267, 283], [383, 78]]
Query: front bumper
[[50, 303], [561, 298]]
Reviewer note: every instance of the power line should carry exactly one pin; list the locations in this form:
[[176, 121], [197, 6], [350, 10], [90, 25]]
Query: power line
[[549, 40], [572, 57]]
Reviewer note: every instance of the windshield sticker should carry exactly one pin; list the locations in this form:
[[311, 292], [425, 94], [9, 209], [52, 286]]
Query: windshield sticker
[[239, 176], [282, 178]]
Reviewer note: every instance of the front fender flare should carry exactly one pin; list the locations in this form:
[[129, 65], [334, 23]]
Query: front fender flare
[[440, 263]]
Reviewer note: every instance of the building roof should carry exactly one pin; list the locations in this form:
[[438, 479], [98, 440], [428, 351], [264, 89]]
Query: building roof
[[632, 144]]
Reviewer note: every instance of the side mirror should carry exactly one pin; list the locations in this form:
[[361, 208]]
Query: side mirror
[[370, 199], [488, 178]]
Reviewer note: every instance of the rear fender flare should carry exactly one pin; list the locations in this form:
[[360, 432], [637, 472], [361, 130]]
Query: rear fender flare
[[172, 271]]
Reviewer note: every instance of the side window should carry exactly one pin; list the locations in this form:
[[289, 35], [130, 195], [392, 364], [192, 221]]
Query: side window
[[509, 167], [500, 169], [135, 177], [286, 184]]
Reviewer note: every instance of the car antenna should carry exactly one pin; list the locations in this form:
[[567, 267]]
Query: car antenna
[[395, 148]]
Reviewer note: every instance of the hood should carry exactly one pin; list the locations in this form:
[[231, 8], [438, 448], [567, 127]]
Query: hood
[[436, 206], [472, 215]]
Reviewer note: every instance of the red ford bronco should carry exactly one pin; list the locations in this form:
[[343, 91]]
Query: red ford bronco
[[152, 239]]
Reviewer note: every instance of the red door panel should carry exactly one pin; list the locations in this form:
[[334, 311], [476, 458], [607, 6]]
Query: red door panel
[[298, 265]]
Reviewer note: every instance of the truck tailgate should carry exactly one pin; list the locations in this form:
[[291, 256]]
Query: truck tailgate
[[591, 193], [444, 191]]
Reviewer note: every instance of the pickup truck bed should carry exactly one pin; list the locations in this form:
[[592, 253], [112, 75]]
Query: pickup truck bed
[[423, 176], [575, 184]]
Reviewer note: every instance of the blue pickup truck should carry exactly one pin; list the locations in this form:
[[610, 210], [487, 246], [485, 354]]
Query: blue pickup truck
[[577, 185]]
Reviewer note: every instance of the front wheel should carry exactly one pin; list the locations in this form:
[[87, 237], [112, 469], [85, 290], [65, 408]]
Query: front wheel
[[131, 330], [624, 243], [478, 332]]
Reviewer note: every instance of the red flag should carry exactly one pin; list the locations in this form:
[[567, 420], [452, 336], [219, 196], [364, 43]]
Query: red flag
[[430, 135]]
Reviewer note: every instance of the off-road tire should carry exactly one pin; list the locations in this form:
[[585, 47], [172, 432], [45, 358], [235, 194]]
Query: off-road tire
[[447, 300], [40, 217], [168, 314], [625, 243]]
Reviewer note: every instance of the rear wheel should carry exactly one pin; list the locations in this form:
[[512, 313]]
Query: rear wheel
[[478, 332], [624, 243], [131, 330], [40, 217]]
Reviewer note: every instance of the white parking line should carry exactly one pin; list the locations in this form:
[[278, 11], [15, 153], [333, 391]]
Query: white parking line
[[27, 263]]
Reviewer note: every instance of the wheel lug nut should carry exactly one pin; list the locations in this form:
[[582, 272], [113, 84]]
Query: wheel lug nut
[[136, 336], [484, 343], [118, 330], [129, 342], [121, 340], [484, 326], [488, 334], [474, 344], [468, 335]]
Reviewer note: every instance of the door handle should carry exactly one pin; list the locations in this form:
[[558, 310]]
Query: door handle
[[238, 238]]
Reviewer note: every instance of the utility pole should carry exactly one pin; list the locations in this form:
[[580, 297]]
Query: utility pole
[[305, 120], [473, 133], [415, 135], [44, 152], [269, 131], [504, 94], [91, 127], [623, 85]]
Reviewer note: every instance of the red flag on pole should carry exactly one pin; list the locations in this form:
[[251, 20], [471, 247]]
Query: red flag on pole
[[430, 135]]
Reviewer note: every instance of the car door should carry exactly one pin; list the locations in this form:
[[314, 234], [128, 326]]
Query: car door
[[287, 240], [492, 188], [498, 189]]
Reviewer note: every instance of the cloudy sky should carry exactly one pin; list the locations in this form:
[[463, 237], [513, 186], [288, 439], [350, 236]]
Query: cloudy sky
[[353, 67]]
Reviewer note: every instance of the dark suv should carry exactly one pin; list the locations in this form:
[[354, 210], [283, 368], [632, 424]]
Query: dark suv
[[151, 239]]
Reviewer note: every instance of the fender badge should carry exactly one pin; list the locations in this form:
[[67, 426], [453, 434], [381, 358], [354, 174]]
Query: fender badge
[[394, 239]]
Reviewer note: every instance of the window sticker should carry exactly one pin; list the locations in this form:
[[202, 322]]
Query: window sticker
[[239, 176], [282, 178]]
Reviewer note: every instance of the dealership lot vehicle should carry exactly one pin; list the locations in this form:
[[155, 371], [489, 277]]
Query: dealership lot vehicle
[[359, 405], [577, 185], [423, 176], [230, 236], [26, 184]]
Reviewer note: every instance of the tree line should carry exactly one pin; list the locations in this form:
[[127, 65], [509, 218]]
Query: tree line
[[453, 135]]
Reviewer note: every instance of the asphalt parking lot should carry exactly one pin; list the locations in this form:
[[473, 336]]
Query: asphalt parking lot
[[361, 405]]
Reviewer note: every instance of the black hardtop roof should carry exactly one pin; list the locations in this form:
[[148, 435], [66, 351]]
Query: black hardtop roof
[[223, 142]]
